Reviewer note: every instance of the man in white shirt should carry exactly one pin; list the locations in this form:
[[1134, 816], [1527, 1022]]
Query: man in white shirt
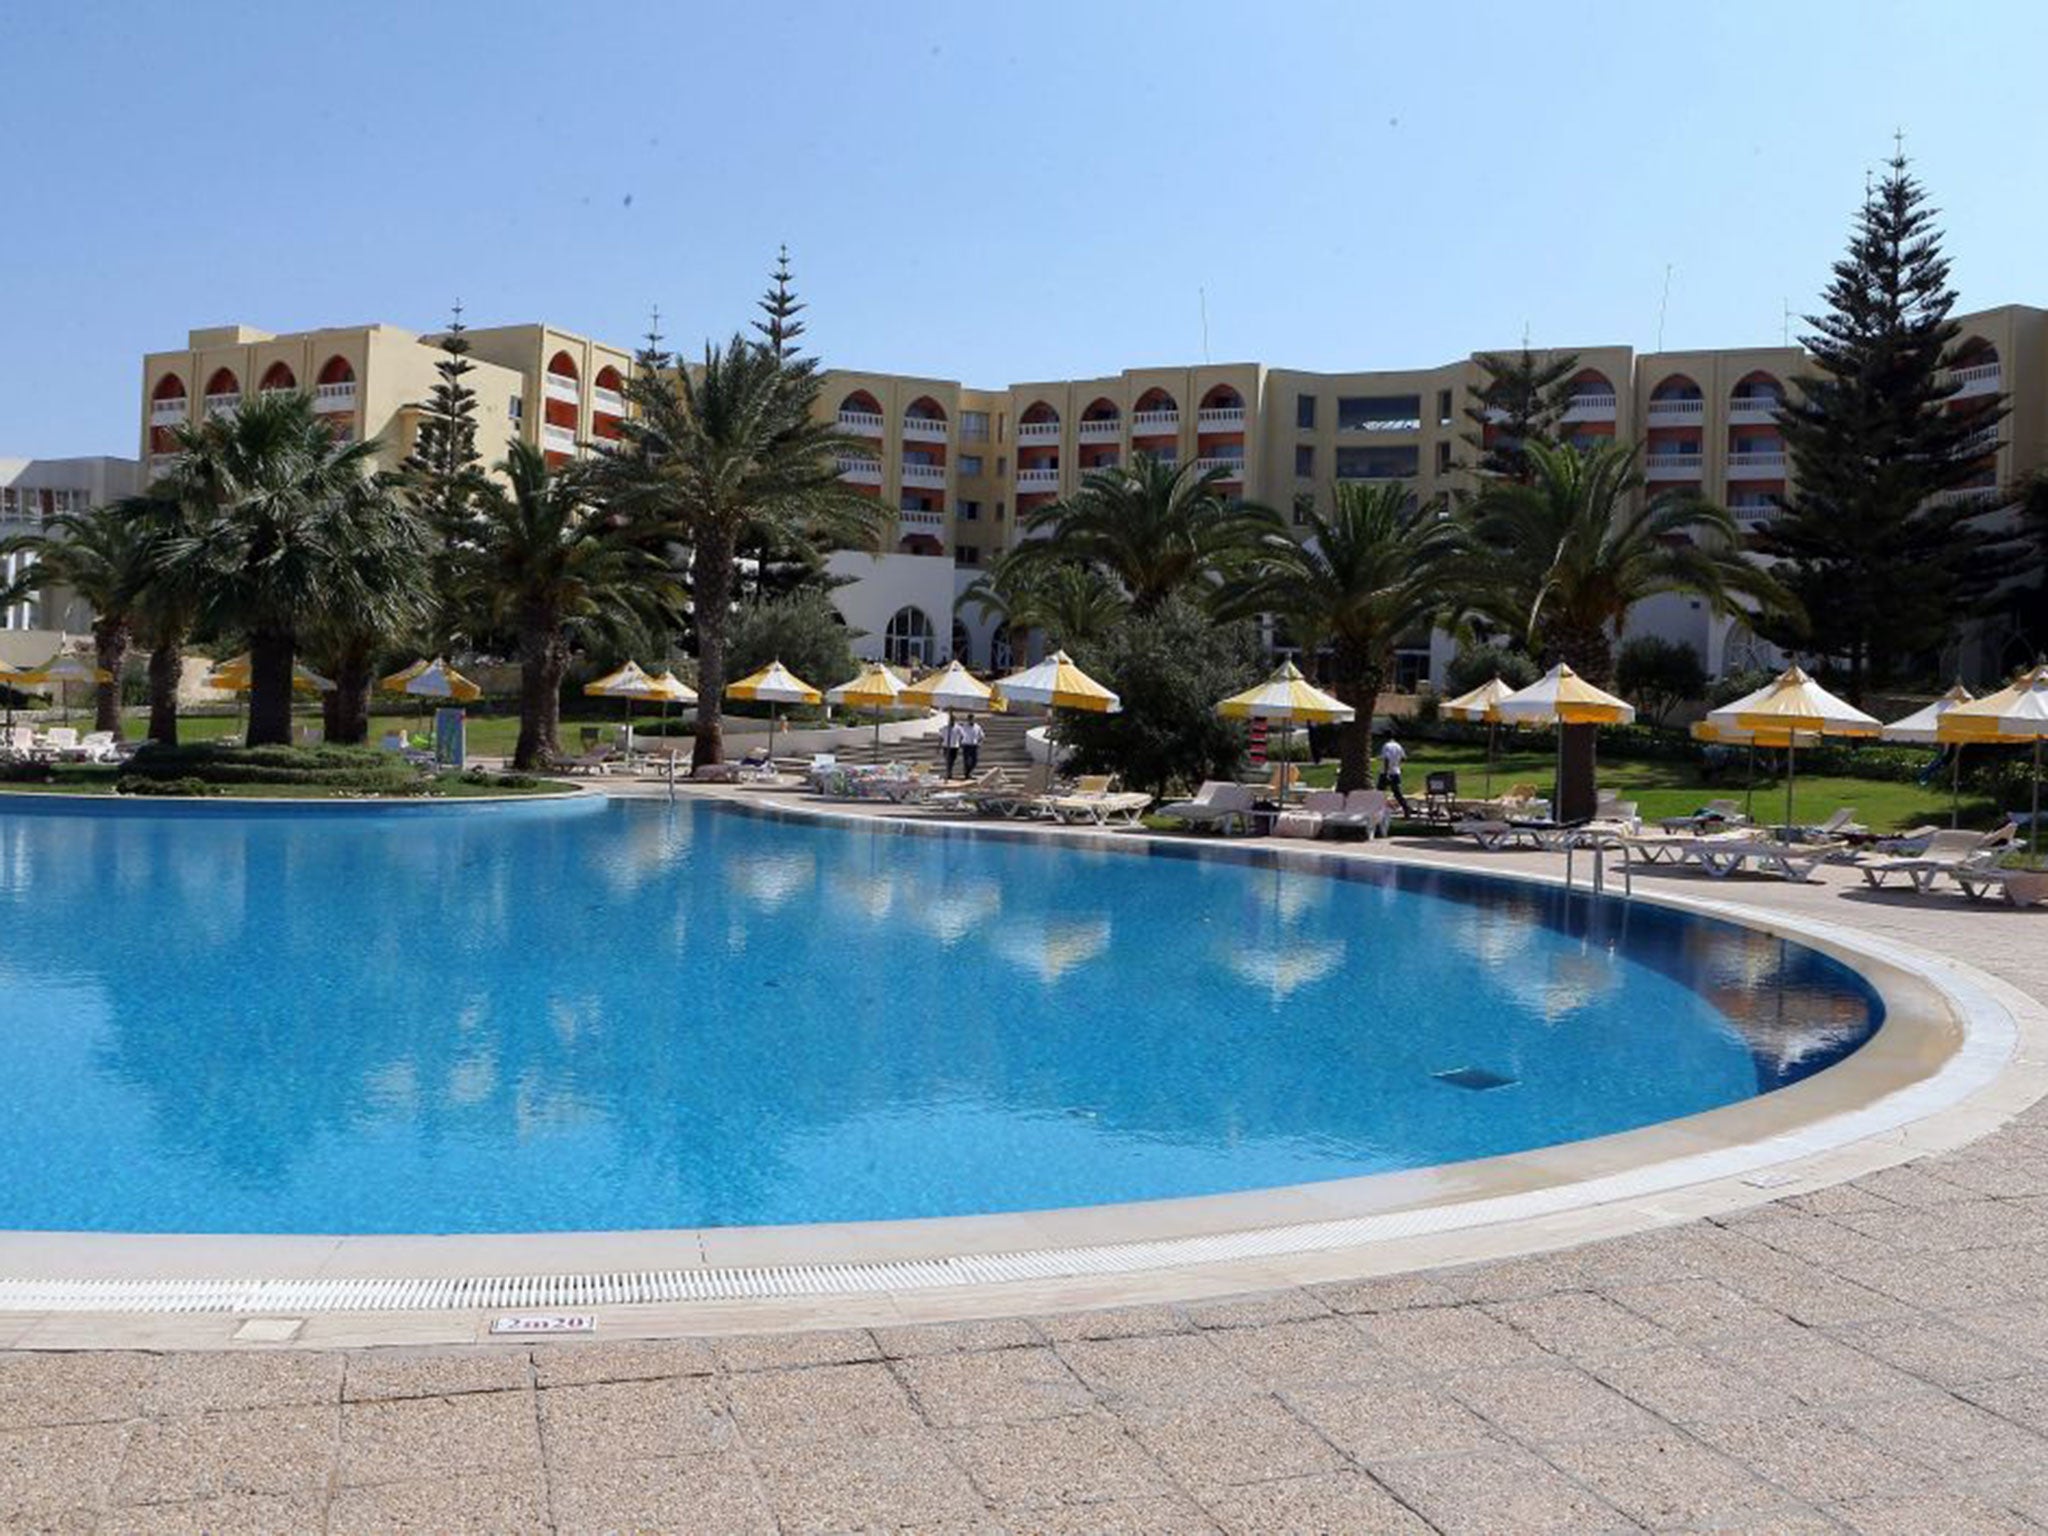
[[1392, 756], [949, 738], [970, 744]]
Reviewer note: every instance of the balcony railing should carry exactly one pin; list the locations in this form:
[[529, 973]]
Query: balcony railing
[[925, 475], [334, 397], [169, 410], [921, 518], [1983, 441], [1109, 431], [610, 401], [1664, 413], [1154, 423], [1099, 466], [1038, 431], [223, 404], [1220, 418], [924, 429], [1751, 513], [1973, 496], [1233, 469], [1767, 465], [1751, 409], [558, 387], [1672, 466], [1590, 407], [859, 471], [1982, 379], [1038, 480], [557, 439], [860, 423]]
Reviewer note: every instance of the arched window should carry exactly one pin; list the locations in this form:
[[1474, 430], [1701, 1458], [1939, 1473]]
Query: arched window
[[609, 378], [1039, 412], [278, 377], [963, 644], [1222, 398], [1591, 385], [563, 366], [169, 387], [909, 637], [1758, 388], [925, 408], [1677, 387], [223, 382], [337, 370], [1101, 409], [1000, 656], [1157, 400], [860, 403]]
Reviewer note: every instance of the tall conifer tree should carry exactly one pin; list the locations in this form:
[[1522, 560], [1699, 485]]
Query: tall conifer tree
[[782, 327], [444, 474], [1521, 398], [1886, 559]]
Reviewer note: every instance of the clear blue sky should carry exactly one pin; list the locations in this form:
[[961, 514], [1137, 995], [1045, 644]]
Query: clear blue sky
[[989, 193]]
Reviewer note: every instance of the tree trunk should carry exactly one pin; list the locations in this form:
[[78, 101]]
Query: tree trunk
[[271, 655], [1358, 678], [166, 667], [543, 657], [711, 603], [345, 711], [1578, 794], [1587, 650], [110, 647]]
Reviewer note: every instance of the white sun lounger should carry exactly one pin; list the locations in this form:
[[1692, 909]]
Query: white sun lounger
[[1217, 803], [1946, 853]]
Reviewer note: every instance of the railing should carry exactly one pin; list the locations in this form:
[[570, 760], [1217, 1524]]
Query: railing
[[1757, 463], [1754, 408], [1672, 466], [924, 429], [610, 401], [1102, 431], [920, 517], [557, 439], [558, 387], [1984, 440], [1233, 469], [1038, 431], [1038, 479], [1982, 379], [1590, 407], [859, 471], [860, 423], [925, 474], [223, 404], [1750, 513], [169, 410], [1973, 496], [335, 397], [1099, 466], [1154, 423], [1220, 418], [1666, 411]]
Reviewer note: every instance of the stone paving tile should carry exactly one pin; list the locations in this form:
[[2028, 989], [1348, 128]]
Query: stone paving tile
[[774, 1351], [1687, 1386], [1376, 1424], [1335, 1501], [1320, 1350], [1581, 1325], [201, 1382], [1388, 1293], [856, 1484], [1667, 1480], [1451, 1339], [1113, 1323], [705, 1493], [1162, 1368], [1693, 1309], [237, 1515], [1085, 1458], [1256, 1311], [47, 1471], [1934, 1350], [1507, 1490], [790, 1407], [907, 1343], [2022, 1398], [1814, 1456], [1961, 1441], [1812, 1366], [589, 1426], [571, 1365], [1004, 1386], [438, 1437], [510, 1501], [386, 1373], [1170, 1516], [39, 1389], [1542, 1404], [212, 1455], [1232, 1441], [1940, 1514]]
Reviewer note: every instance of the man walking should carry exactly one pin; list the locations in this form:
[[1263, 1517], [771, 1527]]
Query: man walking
[[1392, 756], [949, 738], [970, 743]]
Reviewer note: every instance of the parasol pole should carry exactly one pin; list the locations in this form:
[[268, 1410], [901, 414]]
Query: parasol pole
[[2034, 819], [1955, 792]]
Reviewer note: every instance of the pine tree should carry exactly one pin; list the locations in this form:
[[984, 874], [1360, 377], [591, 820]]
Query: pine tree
[[444, 468], [1884, 558], [1520, 399], [782, 327]]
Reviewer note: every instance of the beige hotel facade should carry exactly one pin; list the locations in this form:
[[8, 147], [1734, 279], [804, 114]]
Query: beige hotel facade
[[963, 467]]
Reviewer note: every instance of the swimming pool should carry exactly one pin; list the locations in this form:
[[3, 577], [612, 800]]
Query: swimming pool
[[624, 1015]]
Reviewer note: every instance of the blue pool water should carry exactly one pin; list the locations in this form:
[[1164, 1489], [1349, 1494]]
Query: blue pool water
[[590, 1015]]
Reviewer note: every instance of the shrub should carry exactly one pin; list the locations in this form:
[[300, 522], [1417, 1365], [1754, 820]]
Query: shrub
[[1475, 664], [1730, 686], [802, 630], [1658, 675], [27, 773], [1169, 667], [185, 786], [326, 767]]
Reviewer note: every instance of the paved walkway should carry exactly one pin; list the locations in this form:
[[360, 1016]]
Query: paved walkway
[[1871, 1357]]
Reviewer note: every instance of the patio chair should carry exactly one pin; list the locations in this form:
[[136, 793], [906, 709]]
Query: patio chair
[[1715, 813], [1721, 857], [1014, 800], [1310, 817], [1218, 803], [1842, 823], [60, 740], [21, 744], [1367, 810], [600, 759], [95, 747], [1946, 853], [1440, 795], [2015, 887], [960, 797]]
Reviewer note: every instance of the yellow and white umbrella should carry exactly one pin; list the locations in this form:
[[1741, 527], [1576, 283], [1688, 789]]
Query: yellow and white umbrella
[[1794, 703], [1734, 736], [433, 679], [65, 670], [774, 685], [1562, 697], [673, 690], [1290, 699], [629, 683], [2015, 713], [1482, 703], [1923, 726], [876, 688], [1056, 683], [951, 687], [237, 675]]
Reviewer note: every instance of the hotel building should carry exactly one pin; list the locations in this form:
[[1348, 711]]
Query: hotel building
[[962, 468], [32, 491]]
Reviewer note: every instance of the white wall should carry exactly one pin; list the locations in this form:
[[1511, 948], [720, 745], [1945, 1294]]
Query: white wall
[[882, 585]]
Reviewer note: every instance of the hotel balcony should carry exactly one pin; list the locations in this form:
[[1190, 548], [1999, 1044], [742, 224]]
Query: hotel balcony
[[924, 429], [557, 387], [1750, 512], [557, 439], [919, 520], [1109, 431], [1155, 423], [860, 471], [931, 475], [1973, 496], [168, 412], [1672, 466], [1983, 379], [1220, 418], [160, 463], [860, 423], [1753, 410], [610, 401], [1233, 469], [1677, 413], [1590, 407], [1756, 466], [1983, 441], [1036, 481], [223, 405], [1038, 431], [334, 397]]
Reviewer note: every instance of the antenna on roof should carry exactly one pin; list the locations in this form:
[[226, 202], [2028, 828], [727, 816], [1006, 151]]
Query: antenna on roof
[[1202, 298], [1785, 333], [1663, 306]]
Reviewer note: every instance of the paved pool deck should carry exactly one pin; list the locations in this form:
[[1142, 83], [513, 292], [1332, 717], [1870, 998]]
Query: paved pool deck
[[1869, 1355]]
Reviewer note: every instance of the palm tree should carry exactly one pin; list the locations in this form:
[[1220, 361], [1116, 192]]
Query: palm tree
[[287, 508], [723, 452], [1561, 559], [1155, 526], [543, 560], [102, 558], [1374, 568], [1069, 604], [386, 590]]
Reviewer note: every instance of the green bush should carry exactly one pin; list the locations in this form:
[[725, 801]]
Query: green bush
[[802, 630], [1476, 664], [1658, 675], [185, 786], [325, 767], [27, 773]]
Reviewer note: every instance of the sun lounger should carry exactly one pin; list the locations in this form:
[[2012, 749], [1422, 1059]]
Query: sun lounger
[[1721, 857], [1714, 815], [94, 747], [1310, 817], [1012, 801], [1102, 808], [596, 760], [960, 797], [2015, 887], [1369, 810], [1945, 853], [1218, 803], [1494, 833], [60, 740]]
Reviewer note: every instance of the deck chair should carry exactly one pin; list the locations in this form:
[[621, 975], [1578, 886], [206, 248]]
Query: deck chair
[[1715, 813], [1310, 817], [1012, 801], [1946, 853], [1218, 803], [1440, 795], [1366, 810]]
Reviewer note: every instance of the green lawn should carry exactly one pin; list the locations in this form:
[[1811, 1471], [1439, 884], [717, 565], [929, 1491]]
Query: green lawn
[[488, 735], [1674, 789]]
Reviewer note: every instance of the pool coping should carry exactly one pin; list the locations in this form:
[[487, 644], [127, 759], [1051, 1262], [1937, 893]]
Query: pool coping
[[1960, 1053]]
